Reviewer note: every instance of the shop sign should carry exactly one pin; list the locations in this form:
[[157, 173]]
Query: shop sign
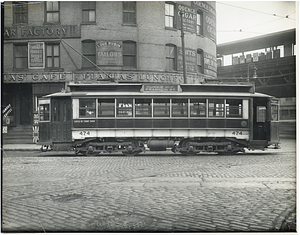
[[109, 53], [204, 6], [210, 64], [41, 32], [37, 77], [189, 18], [36, 58], [190, 60]]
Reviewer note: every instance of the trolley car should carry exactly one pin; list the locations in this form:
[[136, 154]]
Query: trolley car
[[131, 118]]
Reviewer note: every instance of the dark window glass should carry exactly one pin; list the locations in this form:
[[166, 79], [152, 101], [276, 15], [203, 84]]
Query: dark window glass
[[21, 56], [52, 12], [161, 108], [216, 108], [129, 54], [234, 108], [106, 107], [124, 107], [143, 107], [20, 12], [88, 11], [87, 108], [52, 56], [129, 12], [169, 15], [170, 57], [179, 108], [198, 107], [89, 51]]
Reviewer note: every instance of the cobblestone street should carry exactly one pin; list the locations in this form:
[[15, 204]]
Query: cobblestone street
[[59, 192]]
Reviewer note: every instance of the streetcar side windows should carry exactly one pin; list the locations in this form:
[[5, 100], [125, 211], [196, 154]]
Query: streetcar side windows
[[179, 107], [161, 107], [143, 107], [234, 108], [215, 107], [106, 107], [198, 107], [87, 108], [124, 107]]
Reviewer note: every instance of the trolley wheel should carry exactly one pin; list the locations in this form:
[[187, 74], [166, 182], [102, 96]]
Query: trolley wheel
[[188, 144], [131, 149]]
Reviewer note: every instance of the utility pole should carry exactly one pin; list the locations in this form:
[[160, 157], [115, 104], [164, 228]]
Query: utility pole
[[183, 50]]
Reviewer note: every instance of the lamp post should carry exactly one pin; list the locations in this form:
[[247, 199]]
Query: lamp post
[[183, 49], [254, 68]]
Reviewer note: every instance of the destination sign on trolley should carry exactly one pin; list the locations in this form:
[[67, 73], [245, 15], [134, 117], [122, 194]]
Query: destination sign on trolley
[[160, 88]]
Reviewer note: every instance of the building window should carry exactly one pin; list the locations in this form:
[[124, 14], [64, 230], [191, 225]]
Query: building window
[[88, 12], [129, 54], [52, 56], [170, 57], [89, 52], [169, 15], [199, 23], [200, 61], [52, 12], [21, 56], [129, 12], [20, 12]]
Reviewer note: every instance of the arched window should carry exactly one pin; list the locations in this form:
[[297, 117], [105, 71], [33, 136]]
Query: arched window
[[129, 54], [89, 52], [170, 51], [200, 67], [169, 15]]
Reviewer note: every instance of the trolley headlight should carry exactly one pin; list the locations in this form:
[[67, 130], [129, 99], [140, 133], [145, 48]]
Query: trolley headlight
[[244, 123]]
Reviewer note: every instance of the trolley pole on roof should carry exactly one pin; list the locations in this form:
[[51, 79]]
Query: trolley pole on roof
[[183, 50]]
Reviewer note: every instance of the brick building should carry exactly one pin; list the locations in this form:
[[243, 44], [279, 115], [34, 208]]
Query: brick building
[[48, 44]]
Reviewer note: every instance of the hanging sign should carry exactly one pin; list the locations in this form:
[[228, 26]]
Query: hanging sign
[[36, 57]]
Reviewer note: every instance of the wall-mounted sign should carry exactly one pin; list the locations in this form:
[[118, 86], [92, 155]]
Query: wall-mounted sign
[[210, 65], [189, 18], [37, 77], [109, 53], [36, 56], [190, 60], [41, 32]]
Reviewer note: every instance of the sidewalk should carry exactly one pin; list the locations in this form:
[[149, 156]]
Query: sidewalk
[[21, 147]]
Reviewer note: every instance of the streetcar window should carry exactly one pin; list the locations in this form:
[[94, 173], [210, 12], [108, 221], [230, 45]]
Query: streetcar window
[[106, 107], [44, 112], [143, 107], [87, 108], [198, 107], [161, 107], [261, 113], [216, 108], [124, 107], [179, 108], [234, 108]]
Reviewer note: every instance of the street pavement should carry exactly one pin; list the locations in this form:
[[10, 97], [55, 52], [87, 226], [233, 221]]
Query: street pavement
[[157, 192]]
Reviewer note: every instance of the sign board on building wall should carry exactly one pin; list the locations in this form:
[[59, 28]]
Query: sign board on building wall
[[41, 32], [189, 18], [209, 17], [36, 55], [190, 60], [109, 53], [210, 64]]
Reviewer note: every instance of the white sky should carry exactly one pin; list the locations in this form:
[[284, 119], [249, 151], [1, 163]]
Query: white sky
[[245, 19]]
